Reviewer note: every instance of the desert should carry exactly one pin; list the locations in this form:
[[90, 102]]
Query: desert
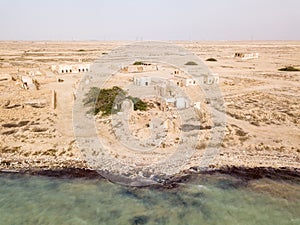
[[261, 103]]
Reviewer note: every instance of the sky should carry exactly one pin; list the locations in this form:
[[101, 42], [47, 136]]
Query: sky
[[149, 19]]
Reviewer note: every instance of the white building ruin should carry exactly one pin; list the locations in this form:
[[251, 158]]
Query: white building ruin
[[169, 98], [211, 78], [181, 81], [27, 83], [142, 81], [245, 56], [174, 102], [33, 73], [143, 67], [182, 103], [71, 68]]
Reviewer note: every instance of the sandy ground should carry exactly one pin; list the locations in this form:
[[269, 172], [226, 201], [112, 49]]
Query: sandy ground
[[262, 104]]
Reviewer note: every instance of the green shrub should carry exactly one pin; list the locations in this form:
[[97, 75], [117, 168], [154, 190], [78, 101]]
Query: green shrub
[[81, 50], [211, 60], [289, 68], [138, 103], [137, 63], [191, 63], [91, 96], [103, 100]]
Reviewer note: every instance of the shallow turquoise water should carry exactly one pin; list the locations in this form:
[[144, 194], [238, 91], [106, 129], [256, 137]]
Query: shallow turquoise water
[[212, 199]]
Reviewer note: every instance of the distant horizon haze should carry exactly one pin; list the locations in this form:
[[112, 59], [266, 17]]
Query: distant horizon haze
[[165, 20]]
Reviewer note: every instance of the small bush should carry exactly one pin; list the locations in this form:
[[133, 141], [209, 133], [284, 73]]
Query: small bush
[[137, 63], [191, 63], [102, 100], [81, 50], [211, 60], [138, 104], [289, 68]]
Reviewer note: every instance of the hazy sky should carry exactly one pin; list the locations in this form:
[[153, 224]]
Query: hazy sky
[[149, 19]]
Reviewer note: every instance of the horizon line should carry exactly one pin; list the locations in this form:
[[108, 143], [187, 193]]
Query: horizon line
[[124, 40]]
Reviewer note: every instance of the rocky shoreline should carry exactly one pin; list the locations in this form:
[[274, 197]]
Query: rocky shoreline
[[244, 174]]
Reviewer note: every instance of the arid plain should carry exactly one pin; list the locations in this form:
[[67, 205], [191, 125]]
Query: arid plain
[[262, 107]]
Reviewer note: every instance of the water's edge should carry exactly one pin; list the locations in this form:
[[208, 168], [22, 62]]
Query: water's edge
[[245, 174]]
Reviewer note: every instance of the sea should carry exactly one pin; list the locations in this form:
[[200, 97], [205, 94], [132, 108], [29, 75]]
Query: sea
[[205, 199]]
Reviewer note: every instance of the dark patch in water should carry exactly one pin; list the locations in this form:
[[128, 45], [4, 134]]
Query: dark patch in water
[[196, 200], [229, 184], [195, 203], [162, 221], [115, 214], [52, 185], [79, 201], [139, 195], [148, 201], [128, 193], [174, 199], [206, 212], [181, 214], [198, 195], [139, 220]]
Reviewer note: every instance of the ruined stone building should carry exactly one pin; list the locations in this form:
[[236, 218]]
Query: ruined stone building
[[245, 56], [182, 81], [71, 68], [28, 83], [211, 78], [142, 67], [142, 81], [168, 97]]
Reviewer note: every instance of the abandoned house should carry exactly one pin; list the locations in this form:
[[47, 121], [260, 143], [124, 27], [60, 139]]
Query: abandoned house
[[181, 81], [166, 89], [71, 68], [245, 56], [142, 67], [169, 97], [27, 83], [174, 102], [182, 103], [176, 72], [33, 73], [142, 81], [211, 78]]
